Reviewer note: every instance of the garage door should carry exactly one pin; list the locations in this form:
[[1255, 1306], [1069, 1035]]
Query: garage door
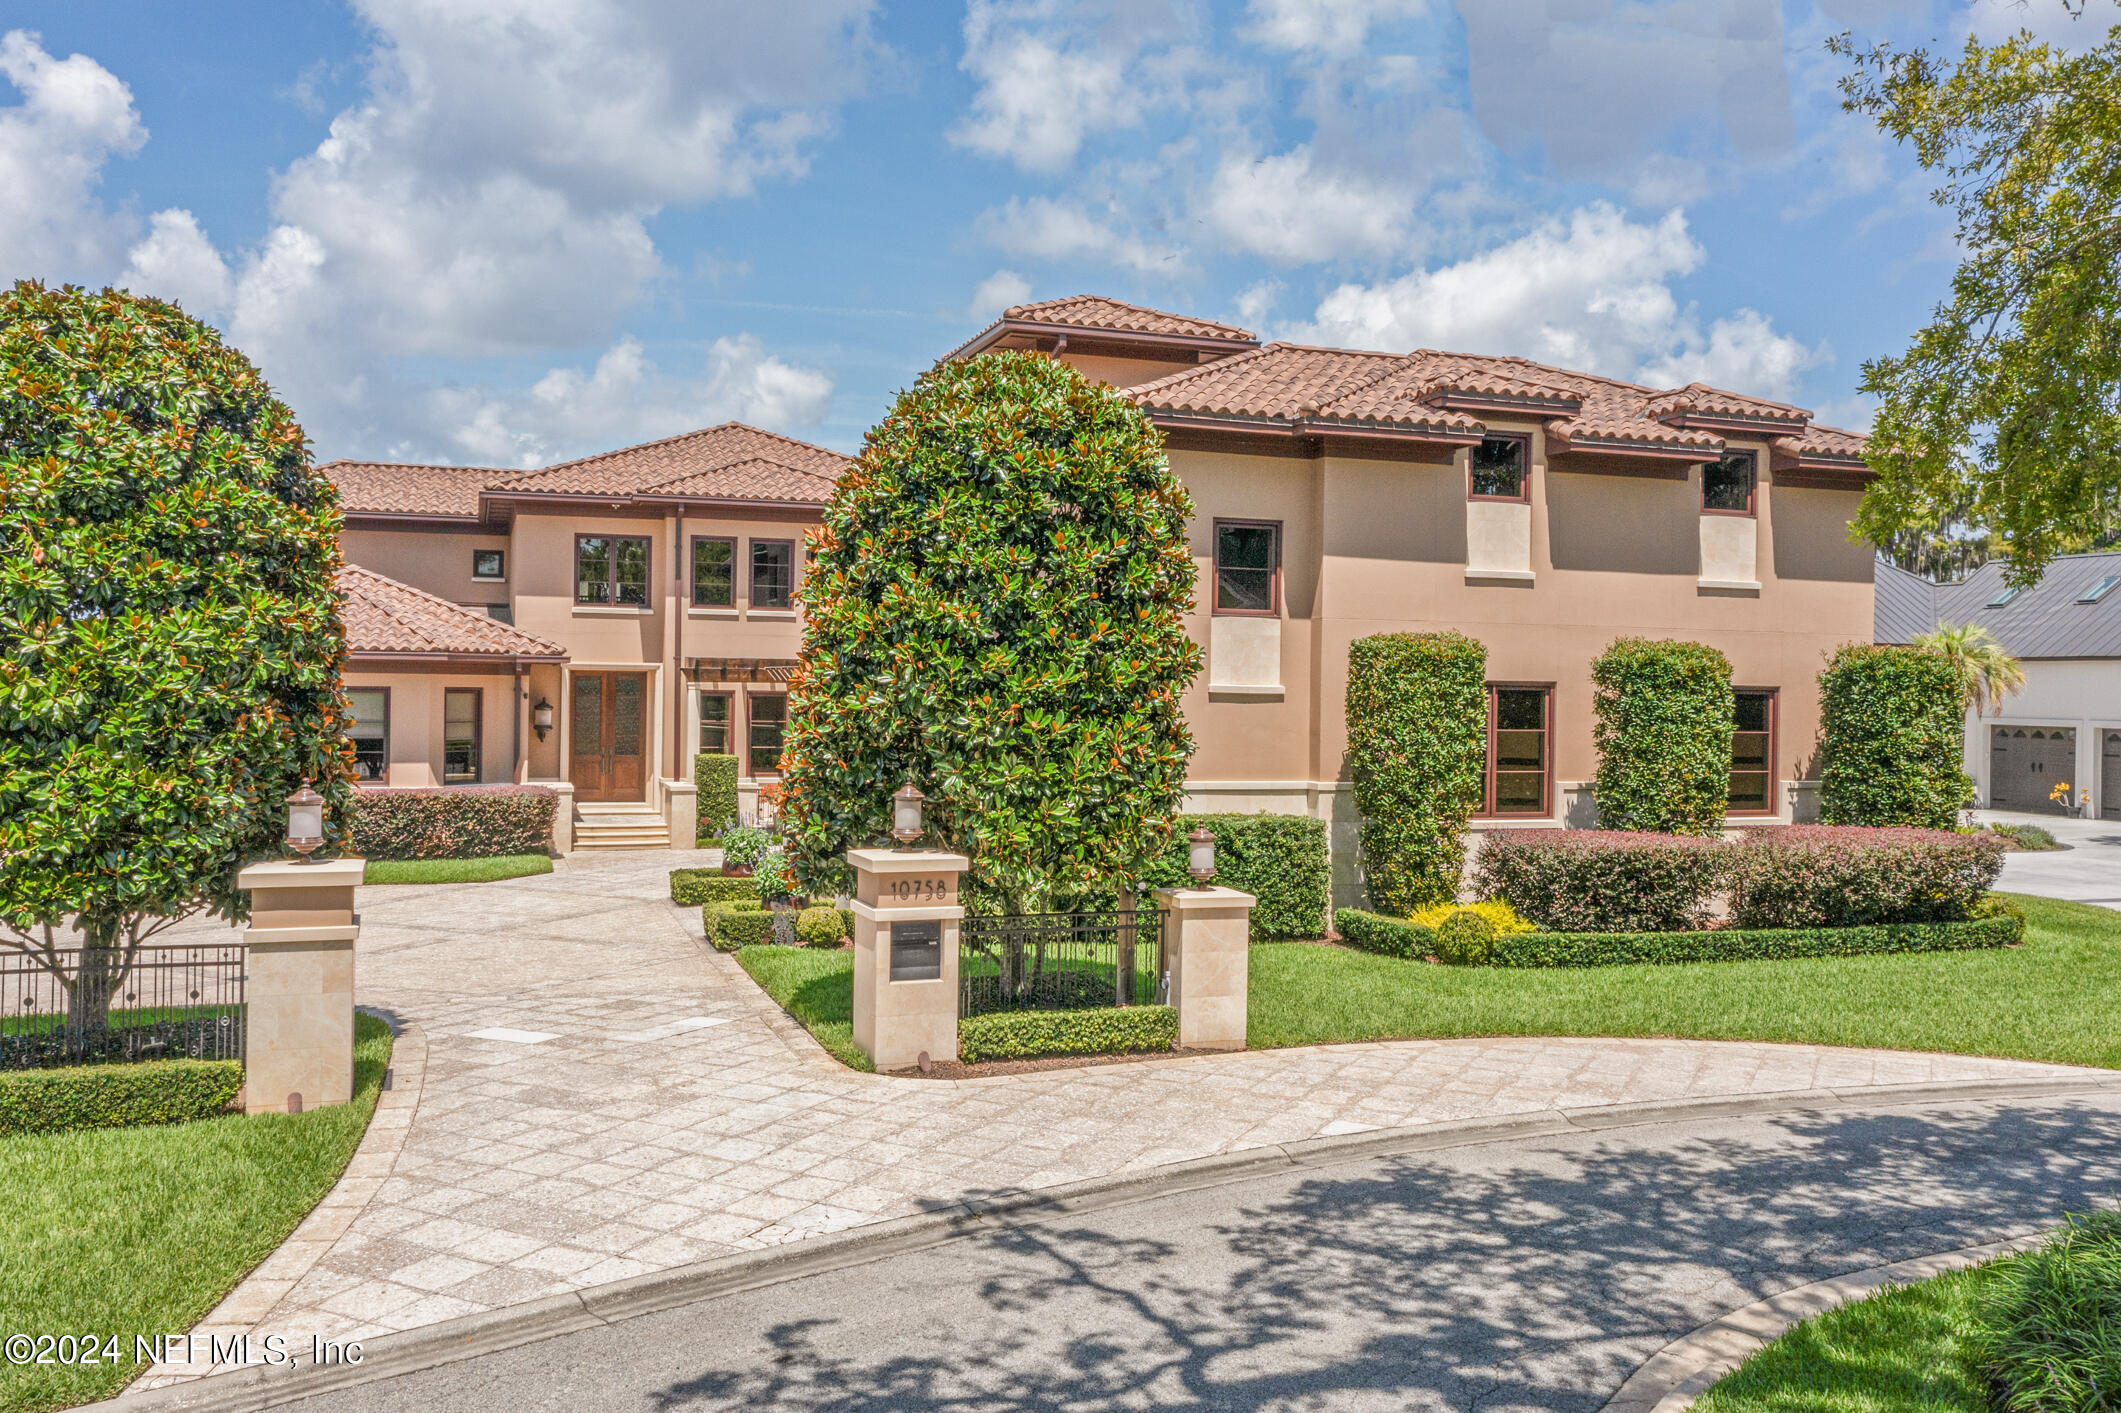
[[2026, 763], [2110, 777]]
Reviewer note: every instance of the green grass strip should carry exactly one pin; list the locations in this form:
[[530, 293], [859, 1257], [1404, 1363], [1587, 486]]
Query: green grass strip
[[455, 870], [143, 1230], [817, 988]]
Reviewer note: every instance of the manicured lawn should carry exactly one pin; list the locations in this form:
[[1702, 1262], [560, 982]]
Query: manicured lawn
[[455, 870], [2055, 998], [143, 1230], [817, 988], [1899, 1351]]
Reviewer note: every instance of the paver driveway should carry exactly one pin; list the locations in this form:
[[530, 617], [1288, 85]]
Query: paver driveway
[[604, 1097]]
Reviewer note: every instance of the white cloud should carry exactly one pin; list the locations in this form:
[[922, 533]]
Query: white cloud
[[1001, 290], [1047, 229], [176, 261], [1592, 293], [1336, 27], [1256, 301], [1287, 208], [75, 115]]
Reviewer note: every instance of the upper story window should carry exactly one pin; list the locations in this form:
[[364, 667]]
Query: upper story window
[[369, 730], [611, 569], [1517, 750], [1248, 567], [489, 564], [773, 573], [1753, 754], [713, 572], [1502, 469], [1727, 486]]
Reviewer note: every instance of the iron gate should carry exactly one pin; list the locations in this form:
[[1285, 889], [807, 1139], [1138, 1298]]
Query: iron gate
[[1060, 961]]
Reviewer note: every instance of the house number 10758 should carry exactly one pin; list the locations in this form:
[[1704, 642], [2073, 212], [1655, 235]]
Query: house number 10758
[[919, 890]]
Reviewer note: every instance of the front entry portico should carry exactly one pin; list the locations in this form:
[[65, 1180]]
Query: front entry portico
[[608, 736]]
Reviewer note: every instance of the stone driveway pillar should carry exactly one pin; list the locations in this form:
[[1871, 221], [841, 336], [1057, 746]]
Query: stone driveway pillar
[[1208, 952], [298, 1032], [906, 915]]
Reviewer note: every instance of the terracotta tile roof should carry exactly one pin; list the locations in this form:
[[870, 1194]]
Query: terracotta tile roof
[[745, 464], [1827, 443], [385, 616], [392, 488], [1094, 311], [1700, 397]]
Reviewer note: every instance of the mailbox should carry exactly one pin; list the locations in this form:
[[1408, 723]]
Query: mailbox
[[916, 951]]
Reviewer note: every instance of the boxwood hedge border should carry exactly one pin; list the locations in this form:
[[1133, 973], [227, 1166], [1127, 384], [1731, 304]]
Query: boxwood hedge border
[[1395, 937], [1029, 1035]]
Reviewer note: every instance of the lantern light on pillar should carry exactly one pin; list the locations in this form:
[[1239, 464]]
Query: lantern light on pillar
[[1200, 855], [305, 821], [906, 815], [541, 718]]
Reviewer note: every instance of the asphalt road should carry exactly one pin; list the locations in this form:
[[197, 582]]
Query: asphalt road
[[1526, 1275]]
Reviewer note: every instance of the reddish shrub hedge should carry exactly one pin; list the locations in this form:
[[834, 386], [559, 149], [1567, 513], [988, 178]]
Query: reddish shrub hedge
[[460, 822], [1849, 876], [1603, 880]]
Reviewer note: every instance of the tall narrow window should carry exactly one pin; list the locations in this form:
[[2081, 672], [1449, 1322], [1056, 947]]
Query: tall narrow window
[[713, 572], [714, 723], [1517, 750], [1248, 567], [772, 573], [769, 720], [369, 730], [1500, 469], [611, 569], [460, 736], [1727, 485], [1753, 754]]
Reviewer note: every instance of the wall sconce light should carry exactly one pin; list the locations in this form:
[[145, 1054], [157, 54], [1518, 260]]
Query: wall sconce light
[[541, 718], [305, 821], [1200, 855], [906, 815]]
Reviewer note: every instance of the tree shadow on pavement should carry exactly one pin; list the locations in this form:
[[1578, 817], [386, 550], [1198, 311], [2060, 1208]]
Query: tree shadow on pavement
[[1539, 1278]]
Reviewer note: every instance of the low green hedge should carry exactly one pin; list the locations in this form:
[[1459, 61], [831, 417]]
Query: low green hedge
[[1026, 1035], [1734, 944], [116, 1096], [2048, 1327], [1387, 936], [736, 922], [690, 887]]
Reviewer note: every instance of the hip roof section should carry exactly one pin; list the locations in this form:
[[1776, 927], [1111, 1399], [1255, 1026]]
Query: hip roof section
[[387, 618]]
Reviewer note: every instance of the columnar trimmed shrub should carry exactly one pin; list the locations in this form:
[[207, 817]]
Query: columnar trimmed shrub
[[1892, 726], [1281, 859], [1417, 745], [691, 887], [1026, 1035], [116, 1096], [1600, 880], [716, 778], [1663, 735], [1824, 876], [459, 822], [1386, 936], [1738, 944]]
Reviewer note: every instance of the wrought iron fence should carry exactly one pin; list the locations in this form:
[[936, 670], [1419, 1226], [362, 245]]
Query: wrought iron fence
[[182, 1000], [1060, 961]]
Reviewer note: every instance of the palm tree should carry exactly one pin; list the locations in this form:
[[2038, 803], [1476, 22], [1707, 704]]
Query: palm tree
[[1987, 673]]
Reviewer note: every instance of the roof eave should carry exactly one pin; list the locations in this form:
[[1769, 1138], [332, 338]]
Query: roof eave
[[1003, 328], [1739, 423], [496, 659], [1629, 446]]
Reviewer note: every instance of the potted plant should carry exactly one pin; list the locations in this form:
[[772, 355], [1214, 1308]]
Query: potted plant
[[743, 849]]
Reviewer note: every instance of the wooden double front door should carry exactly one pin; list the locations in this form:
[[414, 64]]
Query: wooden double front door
[[607, 752]]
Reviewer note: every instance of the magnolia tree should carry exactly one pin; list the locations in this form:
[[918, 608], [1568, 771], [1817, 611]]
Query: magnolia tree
[[169, 636], [996, 612]]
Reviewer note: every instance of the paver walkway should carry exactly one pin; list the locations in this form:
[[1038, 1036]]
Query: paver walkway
[[604, 1097]]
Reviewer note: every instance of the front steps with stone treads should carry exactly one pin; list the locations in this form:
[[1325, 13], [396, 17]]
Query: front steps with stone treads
[[620, 826]]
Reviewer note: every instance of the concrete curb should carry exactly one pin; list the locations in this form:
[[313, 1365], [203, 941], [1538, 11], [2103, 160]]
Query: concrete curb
[[390, 1356]]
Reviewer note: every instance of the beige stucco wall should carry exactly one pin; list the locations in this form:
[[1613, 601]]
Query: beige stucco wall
[[438, 561], [416, 722]]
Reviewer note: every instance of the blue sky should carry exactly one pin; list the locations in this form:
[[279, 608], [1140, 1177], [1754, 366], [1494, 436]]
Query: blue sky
[[513, 231]]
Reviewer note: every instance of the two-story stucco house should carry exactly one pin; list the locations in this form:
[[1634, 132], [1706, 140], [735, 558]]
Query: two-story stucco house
[[1338, 494]]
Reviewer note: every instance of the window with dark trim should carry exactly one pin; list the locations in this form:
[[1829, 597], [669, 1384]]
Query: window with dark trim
[[1753, 754], [611, 569], [1518, 758], [769, 721], [368, 727], [773, 573], [460, 735], [1248, 567], [713, 572], [1727, 485], [1501, 469], [715, 723], [489, 564]]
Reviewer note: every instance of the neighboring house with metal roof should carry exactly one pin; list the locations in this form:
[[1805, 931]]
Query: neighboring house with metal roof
[[2064, 728]]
